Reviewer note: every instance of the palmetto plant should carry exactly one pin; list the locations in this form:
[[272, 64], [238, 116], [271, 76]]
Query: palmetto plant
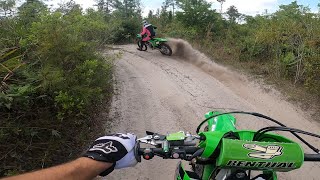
[[12, 58]]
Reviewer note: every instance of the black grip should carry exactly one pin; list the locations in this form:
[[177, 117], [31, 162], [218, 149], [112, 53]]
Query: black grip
[[157, 150], [311, 157], [154, 150], [191, 150]]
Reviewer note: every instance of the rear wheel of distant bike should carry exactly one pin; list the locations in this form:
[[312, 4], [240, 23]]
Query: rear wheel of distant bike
[[165, 49], [144, 47]]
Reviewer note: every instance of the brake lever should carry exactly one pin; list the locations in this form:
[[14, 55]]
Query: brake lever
[[153, 140], [149, 137], [150, 133], [147, 140]]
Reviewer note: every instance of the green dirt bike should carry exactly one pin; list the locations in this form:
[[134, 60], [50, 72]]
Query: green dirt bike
[[156, 43], [222, 152]]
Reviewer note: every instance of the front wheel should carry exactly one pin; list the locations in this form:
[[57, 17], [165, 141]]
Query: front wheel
[[165, 49], [144, 47]]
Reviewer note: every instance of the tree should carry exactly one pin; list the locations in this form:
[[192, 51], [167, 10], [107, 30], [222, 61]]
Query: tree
[[70, 7], [292, 10], [221, 3], [157, 13], [127, 8], [170, 16], [172, 3], [164, 14], [150, 14], [233, 14], [6, 8], [105, 5], [195, 13], [30, 11]]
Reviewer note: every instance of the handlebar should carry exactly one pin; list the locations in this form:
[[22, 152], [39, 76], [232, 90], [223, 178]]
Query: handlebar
[[191, 151], [188, 150], [184, 149], [311, 157], [174, 153], [180, 146]]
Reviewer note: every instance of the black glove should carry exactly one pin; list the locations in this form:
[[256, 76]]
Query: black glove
[[116, 148]]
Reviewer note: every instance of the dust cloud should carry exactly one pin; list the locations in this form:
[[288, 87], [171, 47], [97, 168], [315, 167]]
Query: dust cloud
[[184, 51]]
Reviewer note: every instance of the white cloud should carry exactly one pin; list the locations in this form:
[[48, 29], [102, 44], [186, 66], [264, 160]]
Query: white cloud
[[249, 7]]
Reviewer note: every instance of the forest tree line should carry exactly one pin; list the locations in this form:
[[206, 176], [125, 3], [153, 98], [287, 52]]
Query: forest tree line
[[53, 74]]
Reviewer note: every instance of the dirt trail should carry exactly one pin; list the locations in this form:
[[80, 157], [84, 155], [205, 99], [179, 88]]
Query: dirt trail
[[168, 94]]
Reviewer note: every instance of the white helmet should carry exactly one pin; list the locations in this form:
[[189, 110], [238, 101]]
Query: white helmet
[[145, 23]]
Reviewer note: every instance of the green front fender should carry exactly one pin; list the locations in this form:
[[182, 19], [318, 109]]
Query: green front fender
[[224, 122]]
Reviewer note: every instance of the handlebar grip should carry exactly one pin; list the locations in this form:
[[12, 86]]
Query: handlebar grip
[[154, 150], [311, 157], [157, 150]]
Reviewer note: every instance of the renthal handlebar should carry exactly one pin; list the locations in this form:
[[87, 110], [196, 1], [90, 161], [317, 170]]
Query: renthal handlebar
[[311, 157], [188, 153]]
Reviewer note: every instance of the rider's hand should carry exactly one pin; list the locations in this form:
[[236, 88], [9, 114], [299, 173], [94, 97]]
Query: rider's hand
[[116, 148]]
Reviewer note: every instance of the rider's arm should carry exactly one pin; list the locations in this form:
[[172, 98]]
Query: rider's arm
[[104, 155], [82, 169]]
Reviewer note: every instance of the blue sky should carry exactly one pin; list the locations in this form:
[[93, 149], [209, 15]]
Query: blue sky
[[250, 7]]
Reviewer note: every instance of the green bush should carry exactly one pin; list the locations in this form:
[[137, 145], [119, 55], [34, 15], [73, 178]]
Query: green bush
[[59, 79]]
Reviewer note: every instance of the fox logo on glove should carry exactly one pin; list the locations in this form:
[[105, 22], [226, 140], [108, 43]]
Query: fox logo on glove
[[123, 136], [106, 148]]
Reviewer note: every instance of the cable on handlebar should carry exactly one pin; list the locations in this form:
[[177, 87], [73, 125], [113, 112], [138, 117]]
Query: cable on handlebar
[[238, 112], [261, 116], [277, 128]]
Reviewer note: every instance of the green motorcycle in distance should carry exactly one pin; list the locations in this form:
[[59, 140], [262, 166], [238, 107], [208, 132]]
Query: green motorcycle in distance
[[222, 152], [156, 43]]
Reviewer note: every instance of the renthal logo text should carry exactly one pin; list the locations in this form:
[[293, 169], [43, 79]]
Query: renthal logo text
[[261, 164]]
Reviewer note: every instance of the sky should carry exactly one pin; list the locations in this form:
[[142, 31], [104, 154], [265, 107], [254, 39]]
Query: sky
[[249, 7]]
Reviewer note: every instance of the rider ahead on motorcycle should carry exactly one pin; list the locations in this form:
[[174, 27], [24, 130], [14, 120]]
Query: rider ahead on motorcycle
[[147, 33]]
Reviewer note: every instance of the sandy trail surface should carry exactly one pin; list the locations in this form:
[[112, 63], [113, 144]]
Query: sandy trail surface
[[168, 94]]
